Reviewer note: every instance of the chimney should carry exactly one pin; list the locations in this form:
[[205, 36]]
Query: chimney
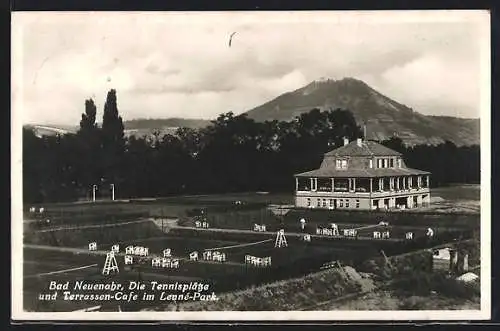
[[346, 141], [359, 141]]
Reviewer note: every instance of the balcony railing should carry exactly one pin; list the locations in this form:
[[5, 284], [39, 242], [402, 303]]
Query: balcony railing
[[346, 191]]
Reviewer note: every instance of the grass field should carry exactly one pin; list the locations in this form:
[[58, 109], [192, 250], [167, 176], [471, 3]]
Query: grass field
[[127, 223], [457, 192]]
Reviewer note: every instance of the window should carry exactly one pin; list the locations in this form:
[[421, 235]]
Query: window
[[341, 164], [379, 163], [386, 163], [347, 203], [391, 162], [341, 203], [399, 163], [331, 202], [308, 202], [324, 203], [370, 164], [357, 203], [319, 202]]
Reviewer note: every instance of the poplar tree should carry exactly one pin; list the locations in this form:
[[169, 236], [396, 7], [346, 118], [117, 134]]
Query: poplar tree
[[112, 124], [113, 142], [88, 122], [88, 149]]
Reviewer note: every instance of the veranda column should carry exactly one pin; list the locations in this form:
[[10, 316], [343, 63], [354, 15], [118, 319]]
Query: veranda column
[[397, 183], [296, 184], [354, 184], [333, 184], [428, 181], [315, 184], [371, 185]]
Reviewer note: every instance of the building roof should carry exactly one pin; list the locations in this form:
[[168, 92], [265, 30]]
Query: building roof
[[367, 148], [332, 171]]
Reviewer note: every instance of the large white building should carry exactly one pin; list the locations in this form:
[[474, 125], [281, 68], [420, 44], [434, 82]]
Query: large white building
[[362, 175]]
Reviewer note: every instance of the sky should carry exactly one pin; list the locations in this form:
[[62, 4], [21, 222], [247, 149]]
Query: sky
[[181, 65]]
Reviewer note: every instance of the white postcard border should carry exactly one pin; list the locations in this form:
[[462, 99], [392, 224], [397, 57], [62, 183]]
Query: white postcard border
[[17, 312]]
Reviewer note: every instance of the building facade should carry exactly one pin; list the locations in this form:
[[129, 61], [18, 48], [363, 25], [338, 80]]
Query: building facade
[[362, 175]]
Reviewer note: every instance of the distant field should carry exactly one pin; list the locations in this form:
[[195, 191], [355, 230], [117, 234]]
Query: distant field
[[458, 192], [176, 206], [458, 199]]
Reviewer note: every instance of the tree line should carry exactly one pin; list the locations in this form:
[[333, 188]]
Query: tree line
[[232, 154]]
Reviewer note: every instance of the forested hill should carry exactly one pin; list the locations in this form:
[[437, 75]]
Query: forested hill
[[158, 123], [383, 116]]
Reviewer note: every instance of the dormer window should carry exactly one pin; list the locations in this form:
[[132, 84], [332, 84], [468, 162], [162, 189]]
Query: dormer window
[[341, 164], [399, 163], [370, 163]]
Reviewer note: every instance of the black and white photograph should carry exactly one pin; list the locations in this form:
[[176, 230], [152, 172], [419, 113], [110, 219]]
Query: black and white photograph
[[281, 166]]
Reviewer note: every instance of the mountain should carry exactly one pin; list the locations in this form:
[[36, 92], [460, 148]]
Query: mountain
[[383, 116], [137, 127]]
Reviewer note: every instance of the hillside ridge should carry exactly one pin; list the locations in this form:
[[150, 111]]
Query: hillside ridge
[[383, 116]]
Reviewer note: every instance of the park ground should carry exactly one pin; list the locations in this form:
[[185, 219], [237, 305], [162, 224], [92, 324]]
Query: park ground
[[58, 250]]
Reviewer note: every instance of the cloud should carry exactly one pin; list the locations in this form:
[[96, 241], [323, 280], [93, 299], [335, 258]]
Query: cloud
[[177, 65]]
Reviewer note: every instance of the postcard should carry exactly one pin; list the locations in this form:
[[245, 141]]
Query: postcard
[[251, 166]]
